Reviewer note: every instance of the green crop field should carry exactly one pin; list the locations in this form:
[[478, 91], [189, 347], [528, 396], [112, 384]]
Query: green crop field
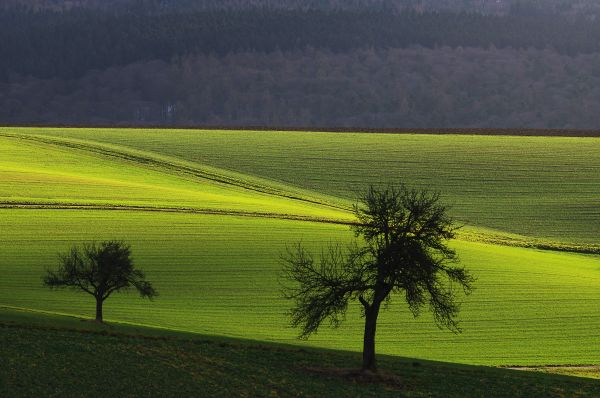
[[209, 212], [548, 187]]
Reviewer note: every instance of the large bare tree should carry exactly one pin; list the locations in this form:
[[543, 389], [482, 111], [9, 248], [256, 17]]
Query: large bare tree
[[402, 252]]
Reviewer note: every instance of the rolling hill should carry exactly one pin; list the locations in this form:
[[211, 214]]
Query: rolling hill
[[208, 214]]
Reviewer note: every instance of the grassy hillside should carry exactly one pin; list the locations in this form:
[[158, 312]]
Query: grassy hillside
[[48, 172], [209, 236], [219, 275], [548, 187], [62, 356]]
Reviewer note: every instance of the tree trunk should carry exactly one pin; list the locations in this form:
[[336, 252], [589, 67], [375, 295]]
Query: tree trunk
[[99, 310], [369, 362]]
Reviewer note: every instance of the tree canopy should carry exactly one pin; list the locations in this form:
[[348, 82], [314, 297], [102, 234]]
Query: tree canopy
[[99, 270]]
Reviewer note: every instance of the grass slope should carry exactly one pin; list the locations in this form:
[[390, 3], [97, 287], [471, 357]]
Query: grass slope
[[547, 187], [59, 356], [219, 275], [56, 173]]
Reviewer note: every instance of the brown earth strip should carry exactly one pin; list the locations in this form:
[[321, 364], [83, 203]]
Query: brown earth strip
[[442, 131]]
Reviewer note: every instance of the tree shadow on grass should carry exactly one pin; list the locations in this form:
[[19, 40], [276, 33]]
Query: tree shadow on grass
[[363, 377]]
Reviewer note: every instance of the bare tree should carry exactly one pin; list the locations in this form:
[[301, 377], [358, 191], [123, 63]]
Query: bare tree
[[403, 253], [99, 270]]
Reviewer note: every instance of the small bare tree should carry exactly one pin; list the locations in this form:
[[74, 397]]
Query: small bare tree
[[99, 270], [403, 251]]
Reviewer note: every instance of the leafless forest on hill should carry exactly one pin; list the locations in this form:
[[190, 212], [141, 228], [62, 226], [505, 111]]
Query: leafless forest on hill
[[301, 63]]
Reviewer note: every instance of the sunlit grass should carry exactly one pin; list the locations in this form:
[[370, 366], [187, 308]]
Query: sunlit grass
[[547, 187], [208, 215], [219, 275]]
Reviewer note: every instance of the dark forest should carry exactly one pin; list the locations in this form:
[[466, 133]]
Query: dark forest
[[356, 64]]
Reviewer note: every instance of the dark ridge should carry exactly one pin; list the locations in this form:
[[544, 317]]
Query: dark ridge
[[66, 45]]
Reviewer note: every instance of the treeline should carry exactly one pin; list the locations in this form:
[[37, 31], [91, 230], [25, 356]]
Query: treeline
[[155, 6], [415, 87], [498, 7], [51, 44]]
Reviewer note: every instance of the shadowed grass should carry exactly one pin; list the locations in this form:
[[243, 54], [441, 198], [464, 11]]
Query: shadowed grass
[[58, 356]]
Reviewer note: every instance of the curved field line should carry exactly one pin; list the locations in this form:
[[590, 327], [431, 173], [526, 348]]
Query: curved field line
[[505, 239], [172, 167], [469, 237], [189, 210]]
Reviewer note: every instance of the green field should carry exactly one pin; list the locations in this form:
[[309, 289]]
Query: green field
[[548, 187], [209, 212]]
